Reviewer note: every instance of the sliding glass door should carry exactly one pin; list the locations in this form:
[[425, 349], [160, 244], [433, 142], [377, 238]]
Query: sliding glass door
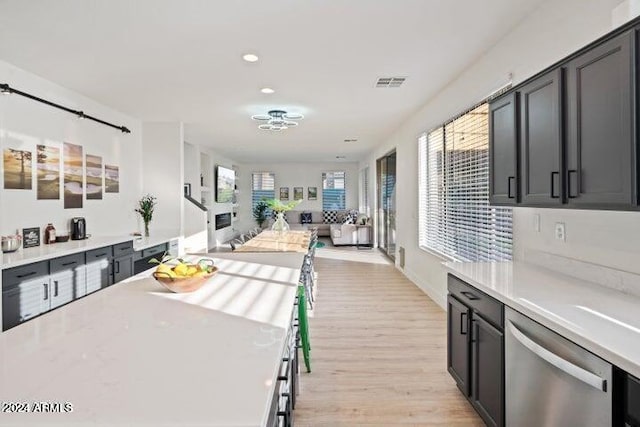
[[386, 174]]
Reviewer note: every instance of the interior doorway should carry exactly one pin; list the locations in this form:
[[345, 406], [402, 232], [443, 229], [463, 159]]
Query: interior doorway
[[386, 204]]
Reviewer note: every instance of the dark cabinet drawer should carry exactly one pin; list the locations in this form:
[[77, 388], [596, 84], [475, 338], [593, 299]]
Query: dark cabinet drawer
[[14, 276], [489, 308], [123, 249], [96, 254], [66, 263], [154, 250]]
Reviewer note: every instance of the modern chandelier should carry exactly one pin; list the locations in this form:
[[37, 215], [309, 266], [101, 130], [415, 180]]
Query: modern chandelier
[[277, 120]]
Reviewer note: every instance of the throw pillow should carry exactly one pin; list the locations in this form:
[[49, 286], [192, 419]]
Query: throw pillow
[[305, 218], [348, 219], [353, 214], [329, 217]]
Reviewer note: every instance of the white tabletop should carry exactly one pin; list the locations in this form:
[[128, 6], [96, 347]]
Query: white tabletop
[[136, 354], [602, 320]]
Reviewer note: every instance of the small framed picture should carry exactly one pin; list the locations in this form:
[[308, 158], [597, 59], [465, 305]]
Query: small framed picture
[[312, 194], [298, 193], [30, 237], [284, 193], [187, 189]]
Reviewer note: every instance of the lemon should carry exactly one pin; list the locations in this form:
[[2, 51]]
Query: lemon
[[181, 269], [163, 269], [191, 270]]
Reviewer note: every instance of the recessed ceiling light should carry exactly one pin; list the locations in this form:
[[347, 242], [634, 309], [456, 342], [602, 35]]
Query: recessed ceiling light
[[250, 57], [267, 90]]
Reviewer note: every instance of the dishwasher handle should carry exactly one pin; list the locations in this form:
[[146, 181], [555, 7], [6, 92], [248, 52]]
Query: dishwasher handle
[[564, 365]]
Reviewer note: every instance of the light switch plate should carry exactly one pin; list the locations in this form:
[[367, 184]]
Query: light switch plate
[[560, 231]]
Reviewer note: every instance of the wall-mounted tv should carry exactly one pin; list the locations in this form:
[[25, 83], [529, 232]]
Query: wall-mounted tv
[[225, 184]]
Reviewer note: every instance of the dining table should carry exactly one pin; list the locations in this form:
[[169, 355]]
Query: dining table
[[278, 241]]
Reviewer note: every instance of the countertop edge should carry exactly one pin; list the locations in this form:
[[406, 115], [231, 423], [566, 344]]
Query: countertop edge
[[540, 317]]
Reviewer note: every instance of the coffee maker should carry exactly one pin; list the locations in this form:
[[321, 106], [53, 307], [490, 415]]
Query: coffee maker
[[78, 228]]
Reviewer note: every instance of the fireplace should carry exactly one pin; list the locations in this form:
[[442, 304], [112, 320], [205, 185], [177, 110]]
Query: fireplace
[[223, 220]]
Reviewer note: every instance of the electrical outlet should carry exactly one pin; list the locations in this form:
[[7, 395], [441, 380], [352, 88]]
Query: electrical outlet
[[560, 231], [536, 223]]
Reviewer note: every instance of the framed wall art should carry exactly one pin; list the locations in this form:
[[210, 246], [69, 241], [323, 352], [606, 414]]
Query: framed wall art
[[284, 193], [298, 193], [312, 193]]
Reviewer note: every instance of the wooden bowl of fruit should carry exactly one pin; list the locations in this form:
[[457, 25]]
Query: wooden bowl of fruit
[[180, 276]]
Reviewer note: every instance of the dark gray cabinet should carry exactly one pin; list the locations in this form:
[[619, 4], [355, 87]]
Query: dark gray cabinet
[[122, 268], [575, 137], [24, 301], [503, 150], [475, 343], [33, 289], [99, 274], [458, 316], [601, 143], [632, 402], [487, 361], [541, 140]]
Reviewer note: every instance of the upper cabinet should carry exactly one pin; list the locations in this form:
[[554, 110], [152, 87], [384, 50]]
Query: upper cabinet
[[574, 137], [541, 140], [503, 154], [601, 143]]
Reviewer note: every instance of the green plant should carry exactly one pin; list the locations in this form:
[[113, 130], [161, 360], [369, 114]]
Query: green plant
[[260, 212], [145, 208], [277, 205]]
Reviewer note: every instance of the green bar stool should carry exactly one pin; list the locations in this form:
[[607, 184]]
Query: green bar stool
[[303, 327]]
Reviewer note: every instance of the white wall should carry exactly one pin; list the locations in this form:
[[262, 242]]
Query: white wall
[[25, 123], [163, 170], [556, 29], [296, 175]]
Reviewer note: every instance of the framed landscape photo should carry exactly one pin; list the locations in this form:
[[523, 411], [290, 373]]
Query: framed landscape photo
[[298, 193], [284, 193], [30, 237], [312, 193]]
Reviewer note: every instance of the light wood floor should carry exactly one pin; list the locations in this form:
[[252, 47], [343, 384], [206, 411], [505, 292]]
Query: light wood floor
[[378, 347]]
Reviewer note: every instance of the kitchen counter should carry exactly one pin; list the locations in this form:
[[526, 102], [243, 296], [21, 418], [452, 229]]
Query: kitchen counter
[[600, 319], [135, 353], [43, 252]]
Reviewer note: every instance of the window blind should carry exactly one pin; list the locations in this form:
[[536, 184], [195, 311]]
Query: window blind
[[333, 190], [455, 216], [262, 187]]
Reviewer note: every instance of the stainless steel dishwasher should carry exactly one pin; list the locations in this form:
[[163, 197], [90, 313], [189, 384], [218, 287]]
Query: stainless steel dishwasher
[[550, 381]]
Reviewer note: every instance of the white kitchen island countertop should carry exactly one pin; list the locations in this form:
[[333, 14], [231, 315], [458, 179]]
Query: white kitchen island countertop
[[602, 320], [136, 354]]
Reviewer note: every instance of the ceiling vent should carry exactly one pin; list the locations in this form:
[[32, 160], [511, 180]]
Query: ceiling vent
[[390, 81], [350, 140]]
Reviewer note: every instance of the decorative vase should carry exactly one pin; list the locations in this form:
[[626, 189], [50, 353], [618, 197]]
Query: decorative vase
[[146, 229], [280, 225]]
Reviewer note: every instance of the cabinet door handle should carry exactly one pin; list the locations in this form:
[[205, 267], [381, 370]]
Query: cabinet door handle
[[469, 295], [55, 288], [463, 323], [65, 264], [553, 186], [46, 291], [571, 194], [22, 276], [509, 179], [474, 331], [117, 267]]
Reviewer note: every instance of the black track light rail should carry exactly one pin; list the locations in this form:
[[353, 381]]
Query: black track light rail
[[6, 89]]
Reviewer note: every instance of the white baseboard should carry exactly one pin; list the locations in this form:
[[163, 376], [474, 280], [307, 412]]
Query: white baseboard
[[427, 288]]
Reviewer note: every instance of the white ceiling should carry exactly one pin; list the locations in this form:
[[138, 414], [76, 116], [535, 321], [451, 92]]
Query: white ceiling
[[170, 60]]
